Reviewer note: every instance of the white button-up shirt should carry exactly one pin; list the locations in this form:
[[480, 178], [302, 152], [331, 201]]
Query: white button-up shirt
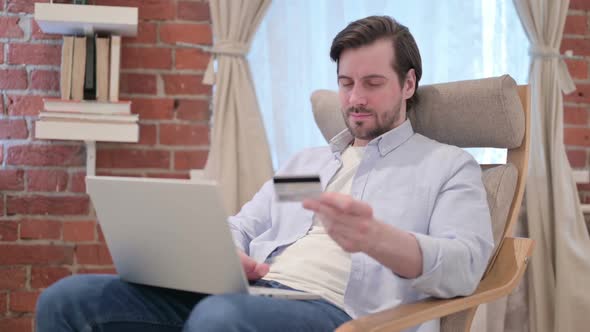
[[430, 189]]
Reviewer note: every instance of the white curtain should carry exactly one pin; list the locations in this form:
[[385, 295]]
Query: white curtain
[[560, 268], [290, 55], [239, 157]]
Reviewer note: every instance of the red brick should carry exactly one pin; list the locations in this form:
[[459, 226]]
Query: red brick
[[148, 134], [1, 154], [12, 278], [157, 10], [21, 6], [153, 109], [194, 110], [47, 180], [12, 179], [575, 115], [179, 84], [172, 33], [8, 232], [138, 83], [93, 254], [13, 129], [13, 79], [46, 155], [581, 95], [24, 105], [578, 68], [577, 158], [174, 134], [45, 80], [146, 58], [192, 59], [576, 25], [23, 301], [79, 231], [40, 229], [97, 271], [47, 205], [193, 11], [185, 160], [78, 182], [13, 254], [16, 324], [43, 277], [1, 53], [9, 27], [577, 136], [132, 158], [580, 4], [100, 234], [578, 46], [146, 34], [34, 54], [37, 34], [2, 211]]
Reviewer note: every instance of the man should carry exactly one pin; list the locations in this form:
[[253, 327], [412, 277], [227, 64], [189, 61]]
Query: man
[[403, 217]]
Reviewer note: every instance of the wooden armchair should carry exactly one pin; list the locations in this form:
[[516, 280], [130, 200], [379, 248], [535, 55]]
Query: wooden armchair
[[492, 112]]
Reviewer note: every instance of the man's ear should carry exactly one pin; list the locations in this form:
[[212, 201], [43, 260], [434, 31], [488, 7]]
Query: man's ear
[[409, 84]]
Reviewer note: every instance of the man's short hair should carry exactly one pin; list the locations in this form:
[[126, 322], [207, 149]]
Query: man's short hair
[[367, 30]]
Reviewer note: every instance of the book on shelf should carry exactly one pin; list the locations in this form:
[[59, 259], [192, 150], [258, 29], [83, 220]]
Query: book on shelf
[[115, 68], [90, 69], [78, 68], [102, 68], [122, 107], [86, 131], [67, 57], [91, 117]]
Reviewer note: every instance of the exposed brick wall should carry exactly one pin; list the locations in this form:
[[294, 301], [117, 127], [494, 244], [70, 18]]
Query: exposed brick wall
[[577, 105], [48, 229]]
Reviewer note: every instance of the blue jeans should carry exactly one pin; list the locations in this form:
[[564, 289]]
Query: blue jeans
[[85, 303]]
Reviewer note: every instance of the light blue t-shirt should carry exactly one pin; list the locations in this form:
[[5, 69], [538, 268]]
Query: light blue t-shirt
[[430, 189]]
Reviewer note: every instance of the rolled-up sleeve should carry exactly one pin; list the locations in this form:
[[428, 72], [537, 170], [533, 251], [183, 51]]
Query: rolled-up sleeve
[[459, 242]]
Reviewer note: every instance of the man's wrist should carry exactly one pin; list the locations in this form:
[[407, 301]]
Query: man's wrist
[[374, 237]]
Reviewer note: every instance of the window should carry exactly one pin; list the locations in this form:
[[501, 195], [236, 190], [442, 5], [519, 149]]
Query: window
[[458, 40]]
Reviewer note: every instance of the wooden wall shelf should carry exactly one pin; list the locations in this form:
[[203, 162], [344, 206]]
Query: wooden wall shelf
[[69, 19]]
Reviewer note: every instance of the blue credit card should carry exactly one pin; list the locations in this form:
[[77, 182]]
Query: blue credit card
[[295, 188]]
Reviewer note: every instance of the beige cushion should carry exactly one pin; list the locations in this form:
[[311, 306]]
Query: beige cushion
[[500, 184], [476, 113]]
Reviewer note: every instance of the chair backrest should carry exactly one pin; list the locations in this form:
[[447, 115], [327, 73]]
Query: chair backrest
[[490, 112]]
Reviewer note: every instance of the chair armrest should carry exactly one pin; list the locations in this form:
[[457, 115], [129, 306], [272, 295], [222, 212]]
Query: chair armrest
[[503, 277]]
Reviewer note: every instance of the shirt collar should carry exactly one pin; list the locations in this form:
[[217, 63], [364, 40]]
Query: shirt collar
[[386, 142]]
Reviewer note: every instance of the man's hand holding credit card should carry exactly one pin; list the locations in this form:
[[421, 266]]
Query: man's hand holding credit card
[[296, 188]]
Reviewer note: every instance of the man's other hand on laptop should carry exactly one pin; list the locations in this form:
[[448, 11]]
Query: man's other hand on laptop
[[252, 268]]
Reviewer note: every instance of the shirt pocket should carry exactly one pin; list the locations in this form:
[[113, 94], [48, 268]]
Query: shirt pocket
[[403, 207]]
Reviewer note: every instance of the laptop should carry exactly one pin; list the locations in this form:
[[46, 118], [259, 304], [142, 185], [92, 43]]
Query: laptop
[[172, 233]]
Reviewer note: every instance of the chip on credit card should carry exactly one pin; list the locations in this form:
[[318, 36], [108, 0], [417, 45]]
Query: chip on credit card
[[296, 188]]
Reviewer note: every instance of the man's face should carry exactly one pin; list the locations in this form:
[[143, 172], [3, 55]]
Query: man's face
[[373, 102]]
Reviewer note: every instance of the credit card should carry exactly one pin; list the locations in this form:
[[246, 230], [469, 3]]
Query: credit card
[[296, 188]]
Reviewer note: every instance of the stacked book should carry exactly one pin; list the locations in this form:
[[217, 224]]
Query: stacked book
[[90, 68], [89, 108], [88, 120]]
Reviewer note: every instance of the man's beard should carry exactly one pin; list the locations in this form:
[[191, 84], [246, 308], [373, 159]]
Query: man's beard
[[382, 124]]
